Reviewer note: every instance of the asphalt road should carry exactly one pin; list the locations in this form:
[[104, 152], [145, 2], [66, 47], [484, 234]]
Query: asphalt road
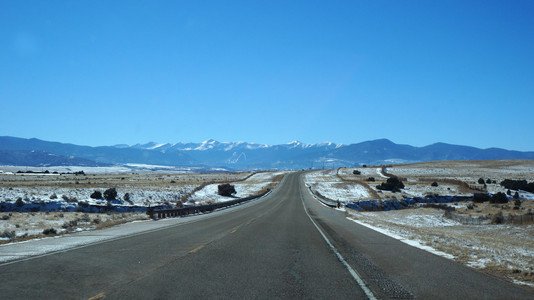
[[269, 249]]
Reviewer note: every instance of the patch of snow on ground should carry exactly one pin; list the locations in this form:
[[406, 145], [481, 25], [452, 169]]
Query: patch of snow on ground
[[497, 247], [247, 188], [331, 187]]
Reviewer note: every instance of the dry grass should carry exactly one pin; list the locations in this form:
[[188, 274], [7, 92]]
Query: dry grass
[[503, 250]]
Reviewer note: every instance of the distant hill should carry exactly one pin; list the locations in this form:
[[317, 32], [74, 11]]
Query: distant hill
[[241, 155], [37, 158]]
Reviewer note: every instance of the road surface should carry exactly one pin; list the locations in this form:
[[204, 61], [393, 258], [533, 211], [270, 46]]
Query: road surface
[[286, 245]]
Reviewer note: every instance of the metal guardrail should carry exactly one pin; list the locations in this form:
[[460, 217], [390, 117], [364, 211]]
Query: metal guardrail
[[189, 210], [324, 201]]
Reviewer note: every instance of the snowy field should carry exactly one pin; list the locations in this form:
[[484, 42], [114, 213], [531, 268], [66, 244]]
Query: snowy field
[[504, 250], [31, 203], [330, 186], [252, 186]]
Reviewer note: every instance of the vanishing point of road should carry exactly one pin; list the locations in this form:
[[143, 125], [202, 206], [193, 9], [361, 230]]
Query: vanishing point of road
[[285, 245]]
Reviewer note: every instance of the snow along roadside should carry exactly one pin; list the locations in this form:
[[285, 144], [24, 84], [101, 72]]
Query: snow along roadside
[[34, 248], [413, 243]]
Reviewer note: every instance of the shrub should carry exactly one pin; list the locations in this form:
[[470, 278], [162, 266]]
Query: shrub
[[53, 196], [356, 172], [481, 197], [49, 231], [509, 193], [499, 198], [516, 195], [226, 189], [19, 202], [371, 179], [434, 184], [393, 184], [110, 194], [127, 197], [488, 181], [481, 180], [96, 195]]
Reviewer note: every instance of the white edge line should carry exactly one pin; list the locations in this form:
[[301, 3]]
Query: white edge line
[[352, 272], [409, 242]]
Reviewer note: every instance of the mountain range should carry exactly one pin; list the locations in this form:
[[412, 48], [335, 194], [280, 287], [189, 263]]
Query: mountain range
[[239, 155]]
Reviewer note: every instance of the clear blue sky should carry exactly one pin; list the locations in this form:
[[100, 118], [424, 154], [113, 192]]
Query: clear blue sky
[[416, 72]]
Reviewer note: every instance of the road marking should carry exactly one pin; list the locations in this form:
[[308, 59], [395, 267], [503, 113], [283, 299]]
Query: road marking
[[352, 272], [196, 249], [233, 231], [99, 296]]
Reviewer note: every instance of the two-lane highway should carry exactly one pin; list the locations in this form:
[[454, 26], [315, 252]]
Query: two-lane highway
[[269, 249]]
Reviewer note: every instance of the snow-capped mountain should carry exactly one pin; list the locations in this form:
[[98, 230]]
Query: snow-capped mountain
[[227, 146], [240, 155]]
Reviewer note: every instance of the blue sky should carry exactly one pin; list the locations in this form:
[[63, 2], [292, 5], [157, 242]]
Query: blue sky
[[416, 72]]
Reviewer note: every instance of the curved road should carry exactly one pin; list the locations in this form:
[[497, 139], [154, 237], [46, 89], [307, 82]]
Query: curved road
[[286, 245]]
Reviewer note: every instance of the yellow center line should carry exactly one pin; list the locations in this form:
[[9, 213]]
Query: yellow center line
[[196, 249], [99, 296]]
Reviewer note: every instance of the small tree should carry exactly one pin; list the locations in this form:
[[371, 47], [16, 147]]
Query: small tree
[[226, 189], [434, 184], [481, 180], [488, 181], [371, 179], [110, 194], [356, 172], [516, 195], [127, 197]]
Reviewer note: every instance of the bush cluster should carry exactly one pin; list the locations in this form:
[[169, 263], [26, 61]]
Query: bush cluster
[[499, 198], [518, 185], [226, 189], [393, 184], [110, 194], [481, 197], [96, 195], [356, 172]]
